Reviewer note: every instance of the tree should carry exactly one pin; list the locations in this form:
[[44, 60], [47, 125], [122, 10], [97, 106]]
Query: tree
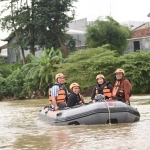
[[83, 66], [109, 32], [53, 23], [137, 69], [39, 73], [29, 22]]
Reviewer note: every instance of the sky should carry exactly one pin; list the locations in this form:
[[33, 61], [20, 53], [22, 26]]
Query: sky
[[120, 10]]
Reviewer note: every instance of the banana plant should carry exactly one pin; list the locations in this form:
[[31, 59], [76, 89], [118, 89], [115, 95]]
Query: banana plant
[[40, 70]]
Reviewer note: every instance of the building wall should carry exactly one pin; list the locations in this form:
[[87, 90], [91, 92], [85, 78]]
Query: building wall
[[144, 44], [79, 27], [15, 55], [3, 53], [80, 24], [11, 52]]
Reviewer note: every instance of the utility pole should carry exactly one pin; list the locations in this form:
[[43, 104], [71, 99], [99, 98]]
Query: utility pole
[[110, 7]]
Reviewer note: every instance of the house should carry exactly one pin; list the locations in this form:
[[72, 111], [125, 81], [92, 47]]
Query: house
[[140, 39], [3, 52], [76, 29]]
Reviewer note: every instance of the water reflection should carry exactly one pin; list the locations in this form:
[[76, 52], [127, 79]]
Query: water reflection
[[21, 129]]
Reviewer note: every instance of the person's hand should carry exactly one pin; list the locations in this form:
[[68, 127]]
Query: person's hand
[[127, 102], [94, 101], [56, 108]]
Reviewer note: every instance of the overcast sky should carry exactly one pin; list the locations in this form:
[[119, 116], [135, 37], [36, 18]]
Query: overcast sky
[[120, 10]]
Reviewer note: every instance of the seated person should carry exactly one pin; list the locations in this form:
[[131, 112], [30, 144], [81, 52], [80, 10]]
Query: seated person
[[122, 87], [102, 87], [58, 92], [75, 98]]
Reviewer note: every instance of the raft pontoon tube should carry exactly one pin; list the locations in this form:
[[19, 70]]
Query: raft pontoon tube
[[101, 112]]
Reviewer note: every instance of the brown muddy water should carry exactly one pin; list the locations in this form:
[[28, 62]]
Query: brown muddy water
[[22, 129]]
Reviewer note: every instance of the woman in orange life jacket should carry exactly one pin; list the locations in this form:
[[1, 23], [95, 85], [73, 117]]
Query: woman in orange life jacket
[[58, 92], [75, 98], [102, 87], [122, 87]]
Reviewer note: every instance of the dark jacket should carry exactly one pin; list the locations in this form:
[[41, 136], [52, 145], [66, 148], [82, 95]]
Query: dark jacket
[[73, 99]]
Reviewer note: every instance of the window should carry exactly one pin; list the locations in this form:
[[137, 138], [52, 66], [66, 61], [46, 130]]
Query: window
[[136, 45]]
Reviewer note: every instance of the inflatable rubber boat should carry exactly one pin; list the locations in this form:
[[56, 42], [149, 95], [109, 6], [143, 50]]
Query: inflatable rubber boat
[[100, 112]]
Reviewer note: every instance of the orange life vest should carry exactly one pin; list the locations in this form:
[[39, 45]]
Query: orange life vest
[[105, 91], [117, 91], [62, 94]]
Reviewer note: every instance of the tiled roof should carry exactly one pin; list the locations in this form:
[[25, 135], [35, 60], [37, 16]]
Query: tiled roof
[[4, 46], [141, 33]]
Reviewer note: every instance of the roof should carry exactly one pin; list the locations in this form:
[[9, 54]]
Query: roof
[[4, 46], [141, 33], [141, 26]]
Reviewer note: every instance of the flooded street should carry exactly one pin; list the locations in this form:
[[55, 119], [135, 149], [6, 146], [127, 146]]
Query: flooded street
[[22, 129]]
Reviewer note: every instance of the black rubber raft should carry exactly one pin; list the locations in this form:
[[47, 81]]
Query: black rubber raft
[[101, 112]]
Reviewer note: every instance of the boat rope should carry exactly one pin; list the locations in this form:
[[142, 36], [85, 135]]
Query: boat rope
[[108, 112]]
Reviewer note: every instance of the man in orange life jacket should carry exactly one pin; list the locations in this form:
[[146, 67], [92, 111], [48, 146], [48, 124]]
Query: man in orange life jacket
[[75, 98], [122, 87], [102, 87], [58, 92]]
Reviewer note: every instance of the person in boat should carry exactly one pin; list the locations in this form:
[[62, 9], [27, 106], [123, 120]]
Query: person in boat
[[103, 87], [75, 98], [122, 87], [58, 92]]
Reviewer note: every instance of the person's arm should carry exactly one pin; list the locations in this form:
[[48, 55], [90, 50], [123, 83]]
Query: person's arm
[[54, 93], [127, 89], [71, 100], [82, 98], [54, 103], [93, 93]]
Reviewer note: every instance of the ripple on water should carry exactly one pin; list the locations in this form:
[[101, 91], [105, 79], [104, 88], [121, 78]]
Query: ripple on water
[[21, 129]]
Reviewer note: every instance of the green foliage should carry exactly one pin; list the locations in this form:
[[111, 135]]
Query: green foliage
[[6, 70], [137, 67], [41, 22], [84, 65], [81, 67], [15, 84], [39, 73], [12, 86], [2, 87], [109, 32]]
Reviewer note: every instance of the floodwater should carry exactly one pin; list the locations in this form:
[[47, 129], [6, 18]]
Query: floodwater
[[22, 129]]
